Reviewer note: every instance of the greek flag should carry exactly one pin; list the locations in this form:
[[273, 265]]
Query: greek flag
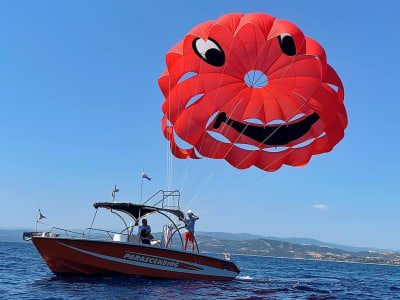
[[144, 175]]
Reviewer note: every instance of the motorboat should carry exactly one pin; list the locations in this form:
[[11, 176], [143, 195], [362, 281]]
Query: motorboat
[[97, 251]]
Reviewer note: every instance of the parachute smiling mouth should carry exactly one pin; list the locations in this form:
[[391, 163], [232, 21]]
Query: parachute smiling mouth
[[272, 135]]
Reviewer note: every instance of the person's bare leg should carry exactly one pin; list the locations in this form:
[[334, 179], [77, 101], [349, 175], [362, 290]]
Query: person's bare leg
[[192, 246]]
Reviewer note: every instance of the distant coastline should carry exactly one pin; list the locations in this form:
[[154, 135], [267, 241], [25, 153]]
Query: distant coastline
[[313, 259], [256, 246], [281, 249]]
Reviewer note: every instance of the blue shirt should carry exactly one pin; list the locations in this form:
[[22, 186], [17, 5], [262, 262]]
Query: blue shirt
[[189, 221], [147, 227]]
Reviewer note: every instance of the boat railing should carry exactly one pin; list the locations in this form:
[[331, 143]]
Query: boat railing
[[86, 233], [165, 199], [111, 234], [90, 229], [66, 231]]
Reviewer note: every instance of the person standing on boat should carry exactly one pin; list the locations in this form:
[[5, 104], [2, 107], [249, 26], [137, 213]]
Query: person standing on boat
[[189, 233], [145, 232]]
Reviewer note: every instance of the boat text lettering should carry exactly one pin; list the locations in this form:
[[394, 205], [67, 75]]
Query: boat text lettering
[[151, 260]]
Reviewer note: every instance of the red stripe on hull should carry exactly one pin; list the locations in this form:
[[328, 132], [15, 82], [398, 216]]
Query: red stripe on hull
[[89, 257]]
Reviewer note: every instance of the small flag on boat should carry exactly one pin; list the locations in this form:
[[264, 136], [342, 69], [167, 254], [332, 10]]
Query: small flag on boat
[[144, 175], [41, 216]]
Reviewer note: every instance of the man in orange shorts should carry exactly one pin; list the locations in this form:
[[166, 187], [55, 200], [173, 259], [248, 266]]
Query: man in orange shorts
[[189, 233]]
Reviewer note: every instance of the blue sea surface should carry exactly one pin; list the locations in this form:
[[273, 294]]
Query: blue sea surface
[[24, 275]]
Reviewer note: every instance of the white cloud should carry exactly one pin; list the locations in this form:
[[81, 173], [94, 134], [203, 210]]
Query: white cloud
[[320, 207]]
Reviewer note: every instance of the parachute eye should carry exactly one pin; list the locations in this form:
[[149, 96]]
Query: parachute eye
[[209, 51], [286, 42]]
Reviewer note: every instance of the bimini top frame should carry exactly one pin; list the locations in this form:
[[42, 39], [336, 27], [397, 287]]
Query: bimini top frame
[[138, 211], [163, 206], [168, 204]]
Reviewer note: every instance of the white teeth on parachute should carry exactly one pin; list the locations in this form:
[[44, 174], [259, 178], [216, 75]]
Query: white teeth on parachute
[[218, 136], [275, 149], [247, 147], [296, 117], [276, 122], [303, 144], [254, 121]]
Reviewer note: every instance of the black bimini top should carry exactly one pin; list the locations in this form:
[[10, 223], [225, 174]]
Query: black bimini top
[[137, 211]]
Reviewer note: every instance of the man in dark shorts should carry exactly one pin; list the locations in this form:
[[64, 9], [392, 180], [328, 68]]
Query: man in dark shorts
[[189, 233], [145, 232]]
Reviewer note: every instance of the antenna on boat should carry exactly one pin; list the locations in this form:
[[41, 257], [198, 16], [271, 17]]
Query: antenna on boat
[[114, 191]]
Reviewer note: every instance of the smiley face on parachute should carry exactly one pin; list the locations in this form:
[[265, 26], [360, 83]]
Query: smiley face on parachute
[[252, 90]]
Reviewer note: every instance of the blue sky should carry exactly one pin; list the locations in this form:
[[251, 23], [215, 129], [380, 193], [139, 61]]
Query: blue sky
[[80, 111]]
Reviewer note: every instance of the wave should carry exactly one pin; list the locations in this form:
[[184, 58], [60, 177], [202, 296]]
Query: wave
[[244, 277]]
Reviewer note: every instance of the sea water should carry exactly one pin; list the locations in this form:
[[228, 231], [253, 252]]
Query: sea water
[[24, 275]]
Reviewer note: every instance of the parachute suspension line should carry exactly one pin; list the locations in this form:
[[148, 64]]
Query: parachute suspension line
[[291, 149], [232, 111], [216, 147], [187, 130], [275, 130], [184, 176], [191, 113], [294, 85], [169, 152], [171, 173], [206, 180], [168, 165], [220, 79], [259, 107], [271, 163], [261, 83], [252, 80], [272, 133], [202, 186]]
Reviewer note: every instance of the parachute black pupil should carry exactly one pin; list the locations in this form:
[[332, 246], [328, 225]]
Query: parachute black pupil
[[213, 56], [287, 45]]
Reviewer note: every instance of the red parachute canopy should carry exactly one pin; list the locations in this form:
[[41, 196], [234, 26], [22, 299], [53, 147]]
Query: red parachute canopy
[[252, 90]]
